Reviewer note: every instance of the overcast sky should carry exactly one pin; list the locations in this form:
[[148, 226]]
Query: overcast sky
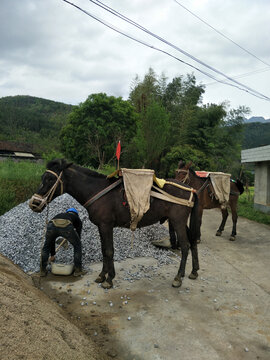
[[52, 50]]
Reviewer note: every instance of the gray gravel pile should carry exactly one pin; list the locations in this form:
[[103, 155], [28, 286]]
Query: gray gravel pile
[[22, 235]]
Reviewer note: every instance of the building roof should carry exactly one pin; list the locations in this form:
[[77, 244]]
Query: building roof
[[256, 154]]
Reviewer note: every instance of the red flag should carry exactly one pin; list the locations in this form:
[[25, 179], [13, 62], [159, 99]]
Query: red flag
[[118, 150]]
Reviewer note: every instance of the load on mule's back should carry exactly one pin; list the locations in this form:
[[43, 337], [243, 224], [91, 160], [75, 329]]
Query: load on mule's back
[[103, 198]]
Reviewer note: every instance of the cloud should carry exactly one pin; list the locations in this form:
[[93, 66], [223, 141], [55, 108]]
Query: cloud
[[50, 49]]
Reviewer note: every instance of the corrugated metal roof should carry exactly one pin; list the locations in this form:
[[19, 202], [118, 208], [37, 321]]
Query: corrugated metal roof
[[22, 154], [256, 154]]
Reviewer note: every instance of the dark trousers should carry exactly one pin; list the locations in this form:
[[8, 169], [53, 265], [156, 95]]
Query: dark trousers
[[68, 233]]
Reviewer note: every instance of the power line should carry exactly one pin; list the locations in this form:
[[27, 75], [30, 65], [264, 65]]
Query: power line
[[246, 89], [121, 16], [220, 33], [258, 71]]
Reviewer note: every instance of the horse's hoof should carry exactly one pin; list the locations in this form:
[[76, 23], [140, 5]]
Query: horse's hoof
[[177, 282], [193, 276], [232, 238], [107, 285], [100, 279], [218, 233]]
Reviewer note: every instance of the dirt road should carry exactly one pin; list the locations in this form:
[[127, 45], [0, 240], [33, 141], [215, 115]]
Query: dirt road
[[224, 314]]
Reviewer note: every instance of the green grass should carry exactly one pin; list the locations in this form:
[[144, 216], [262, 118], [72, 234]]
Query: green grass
[[18, 182], [246, 208]]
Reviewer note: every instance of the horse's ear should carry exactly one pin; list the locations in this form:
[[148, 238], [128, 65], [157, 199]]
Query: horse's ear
[[68, 165], [181, 164], [65, 164], [189, 165]]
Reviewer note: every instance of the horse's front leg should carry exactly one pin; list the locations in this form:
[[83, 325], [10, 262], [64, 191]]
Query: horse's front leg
[[234, 220], [106, 237], [200, 214], [223, 222]]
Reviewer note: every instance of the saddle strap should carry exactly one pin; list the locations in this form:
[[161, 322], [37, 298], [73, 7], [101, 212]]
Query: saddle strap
[[206, 183], [162, 195], [102, 192]]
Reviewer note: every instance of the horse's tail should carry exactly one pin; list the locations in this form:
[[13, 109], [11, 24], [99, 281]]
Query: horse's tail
[[194, 226], [240, 186]]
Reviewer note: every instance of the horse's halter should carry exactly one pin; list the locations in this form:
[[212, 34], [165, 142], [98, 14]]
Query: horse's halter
[[37, 202], [186, 178]]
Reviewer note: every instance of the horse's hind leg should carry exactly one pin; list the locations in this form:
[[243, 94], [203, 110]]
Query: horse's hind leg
[[106, 236], [234, 220], [174, 243], [195, 258], [223, 222], [184, 245]]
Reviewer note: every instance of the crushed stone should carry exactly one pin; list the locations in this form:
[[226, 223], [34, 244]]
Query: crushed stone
[[22, 236]]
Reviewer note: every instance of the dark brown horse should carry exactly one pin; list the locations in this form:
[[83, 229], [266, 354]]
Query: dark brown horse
[[207, 199], [107, 211]]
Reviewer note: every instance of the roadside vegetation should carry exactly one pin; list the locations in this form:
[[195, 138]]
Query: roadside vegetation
[[246, 209], [18, 182]]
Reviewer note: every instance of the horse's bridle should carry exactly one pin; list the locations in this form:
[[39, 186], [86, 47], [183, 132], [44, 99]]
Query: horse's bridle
[[47, 198], [186, 177]]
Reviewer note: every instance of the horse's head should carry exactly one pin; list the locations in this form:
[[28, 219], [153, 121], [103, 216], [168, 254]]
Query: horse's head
[[52, 185], [182, 173]]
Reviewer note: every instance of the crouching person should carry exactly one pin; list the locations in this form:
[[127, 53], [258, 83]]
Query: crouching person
[[69, 226]]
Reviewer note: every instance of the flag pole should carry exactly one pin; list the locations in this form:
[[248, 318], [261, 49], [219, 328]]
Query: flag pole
[[118, 153]]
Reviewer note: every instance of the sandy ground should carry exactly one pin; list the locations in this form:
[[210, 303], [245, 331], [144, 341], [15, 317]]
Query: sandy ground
[[224, 314], [32, 326]]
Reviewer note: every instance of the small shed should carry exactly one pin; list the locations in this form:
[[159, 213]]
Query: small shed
[[17, 151], [260, 156]]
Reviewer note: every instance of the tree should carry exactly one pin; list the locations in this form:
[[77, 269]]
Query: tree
[[181, 98], [94, 128], [144, 92], [152, 134]]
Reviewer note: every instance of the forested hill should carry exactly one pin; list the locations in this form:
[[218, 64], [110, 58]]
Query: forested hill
[[38, 121], [256, 134], [32, 120]]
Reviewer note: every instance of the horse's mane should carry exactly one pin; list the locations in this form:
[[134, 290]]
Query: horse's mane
[[63, 164], [87, 171], [194, 173]]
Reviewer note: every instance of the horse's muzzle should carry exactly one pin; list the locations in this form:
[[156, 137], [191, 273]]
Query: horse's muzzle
[[37, 203]]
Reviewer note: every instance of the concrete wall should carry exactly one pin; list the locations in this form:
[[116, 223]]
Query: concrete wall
[[262, 186], [261, 158]]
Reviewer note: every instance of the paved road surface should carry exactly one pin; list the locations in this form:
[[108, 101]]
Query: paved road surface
[[223, 315]]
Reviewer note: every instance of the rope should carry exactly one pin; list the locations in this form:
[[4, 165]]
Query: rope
[[180, 186], [162, 195]]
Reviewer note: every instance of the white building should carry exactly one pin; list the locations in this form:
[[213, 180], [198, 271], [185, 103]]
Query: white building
[[261, 158]]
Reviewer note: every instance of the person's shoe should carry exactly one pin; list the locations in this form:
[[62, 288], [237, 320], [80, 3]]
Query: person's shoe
[[79, 272]]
